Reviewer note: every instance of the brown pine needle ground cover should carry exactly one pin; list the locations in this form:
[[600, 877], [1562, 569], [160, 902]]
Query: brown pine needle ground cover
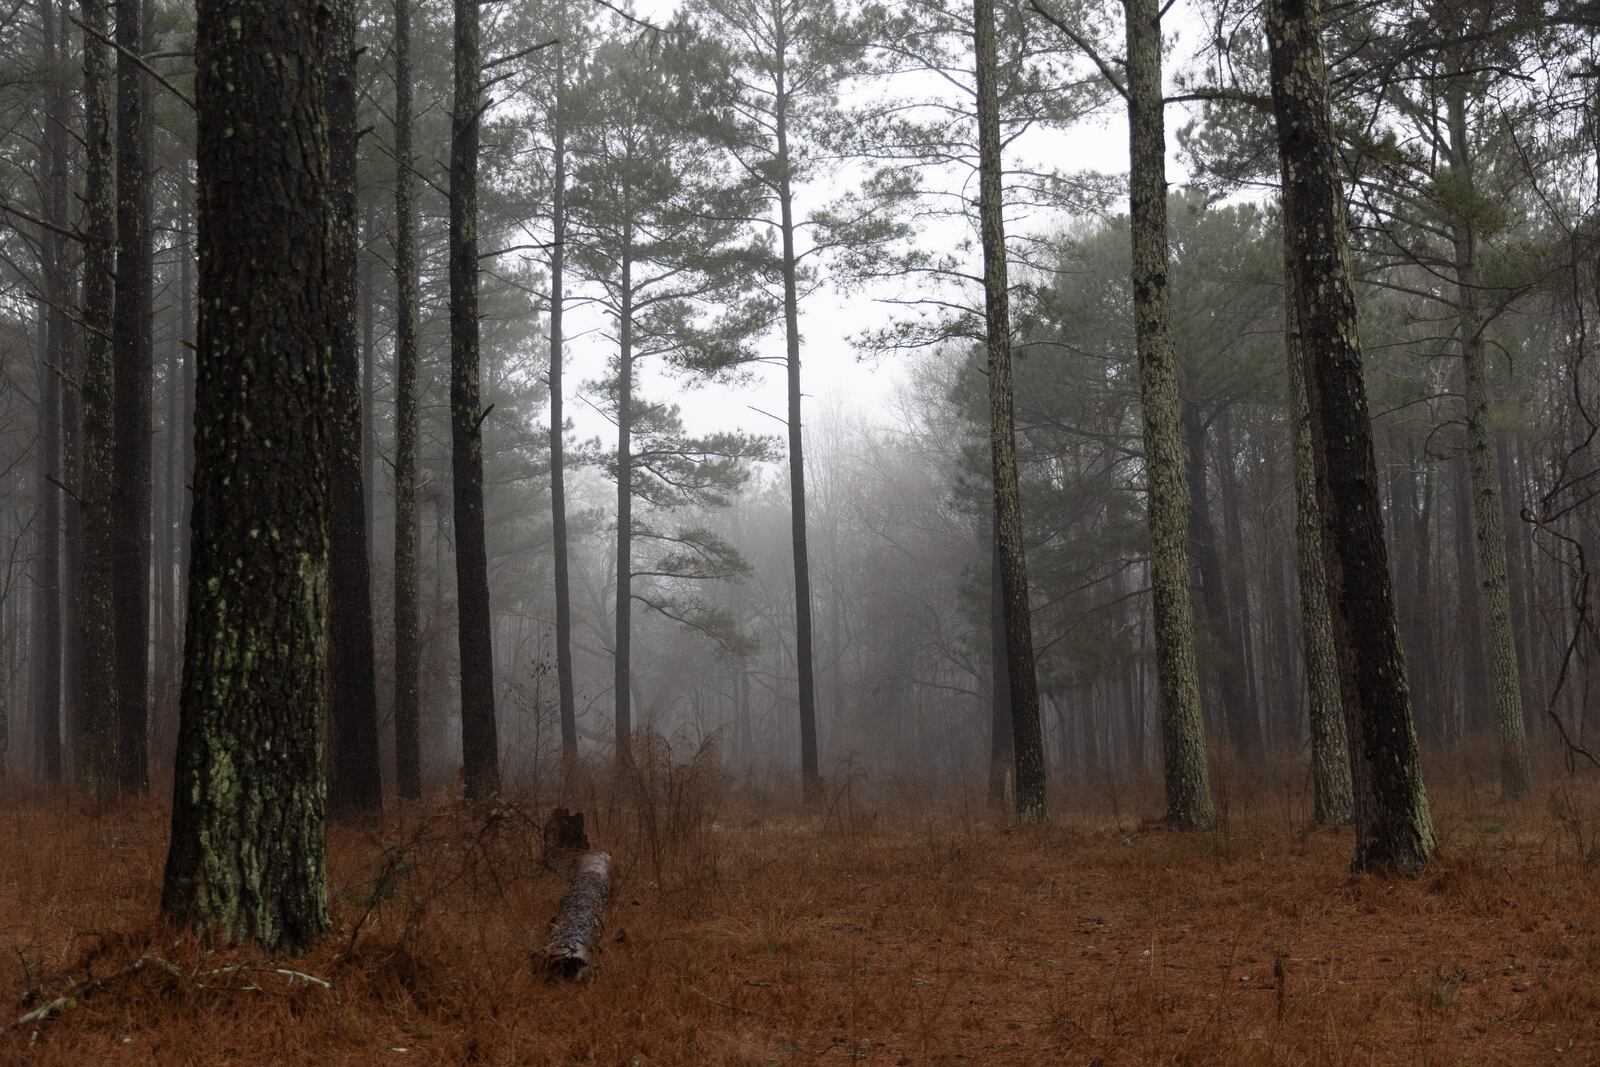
[[744, 932]]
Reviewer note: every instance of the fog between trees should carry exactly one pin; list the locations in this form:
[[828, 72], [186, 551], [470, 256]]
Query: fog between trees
[[302, 308]]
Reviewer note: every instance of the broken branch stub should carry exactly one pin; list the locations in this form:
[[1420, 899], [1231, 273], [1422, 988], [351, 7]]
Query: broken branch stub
[[563, 836]]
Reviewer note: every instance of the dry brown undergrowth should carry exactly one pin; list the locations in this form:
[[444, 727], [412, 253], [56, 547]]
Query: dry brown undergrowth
[[884, 928]]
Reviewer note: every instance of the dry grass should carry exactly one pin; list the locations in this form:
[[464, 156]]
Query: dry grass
[[881, 931]]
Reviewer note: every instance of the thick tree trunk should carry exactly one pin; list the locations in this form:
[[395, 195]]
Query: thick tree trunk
[[96, 732], [1027, 739], [355, 782], [480, 753], [558, 427], [407, 647], [1393, 827], [1183, 730], [247, 853], [1330, 754], [135, 360], [1515, 774]]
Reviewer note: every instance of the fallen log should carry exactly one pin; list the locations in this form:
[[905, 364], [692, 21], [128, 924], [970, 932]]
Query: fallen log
[[575, 931]]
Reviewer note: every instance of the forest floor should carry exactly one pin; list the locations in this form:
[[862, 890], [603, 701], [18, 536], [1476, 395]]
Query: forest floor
[[894, 931]]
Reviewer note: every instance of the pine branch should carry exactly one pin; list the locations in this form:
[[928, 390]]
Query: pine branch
[[138, 59], [1084, 46]]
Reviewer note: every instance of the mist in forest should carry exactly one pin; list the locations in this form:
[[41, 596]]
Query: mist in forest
[[803, 477]]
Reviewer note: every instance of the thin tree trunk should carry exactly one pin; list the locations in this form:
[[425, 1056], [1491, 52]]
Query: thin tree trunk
[[1027, 741], [797, 531], [1429, 705], [1237, 713], [355, 782], [166, 643], [1330, 755], [804, 663], [1001, 756], [1525, 588], [186, 292], [135, 360], [174, 489], [1240, 623], [1515, 774], [407, 650], [558, 427], [622, 675], [479, 747], [247, 858], [369, 392], [95, 753], [1393, 827], [70, 474], [1472, 707], [45, 613]]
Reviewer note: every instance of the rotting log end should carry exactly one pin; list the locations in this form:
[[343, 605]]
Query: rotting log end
[[575, 932]]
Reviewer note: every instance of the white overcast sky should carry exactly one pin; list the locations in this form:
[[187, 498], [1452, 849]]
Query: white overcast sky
[[833, 373]]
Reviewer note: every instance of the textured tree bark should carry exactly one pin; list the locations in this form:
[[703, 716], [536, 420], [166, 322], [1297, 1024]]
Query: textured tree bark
[[96, 733], [1330, 754], [355, 782], [480, 753], [558, 428], [579, 921], [1027, 738], [1393, 827], [1515, 774], [247, 854], [1243, 730], [135, 359], [804, 663], [407, 646]]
